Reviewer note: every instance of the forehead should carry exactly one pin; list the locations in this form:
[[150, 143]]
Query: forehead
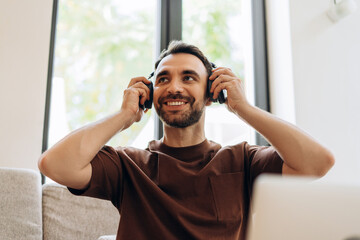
[[180, 62]]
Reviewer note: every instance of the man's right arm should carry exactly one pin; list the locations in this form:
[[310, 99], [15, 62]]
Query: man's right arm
[[68, 161]]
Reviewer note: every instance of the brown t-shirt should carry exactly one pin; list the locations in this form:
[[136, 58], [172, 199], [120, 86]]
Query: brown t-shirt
[[196, 192]]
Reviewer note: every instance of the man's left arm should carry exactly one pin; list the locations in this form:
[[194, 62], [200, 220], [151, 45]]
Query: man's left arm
[[302, 154]]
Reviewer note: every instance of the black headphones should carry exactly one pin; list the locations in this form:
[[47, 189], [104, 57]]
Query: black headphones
[[221, 98]]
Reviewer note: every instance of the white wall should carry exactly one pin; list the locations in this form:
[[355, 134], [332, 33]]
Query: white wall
[[24, 50], [323, 60]]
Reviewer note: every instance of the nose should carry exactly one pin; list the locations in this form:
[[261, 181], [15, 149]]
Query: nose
[[175, 86]]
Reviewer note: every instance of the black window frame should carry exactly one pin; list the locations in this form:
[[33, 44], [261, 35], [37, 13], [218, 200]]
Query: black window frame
[[260, 56]]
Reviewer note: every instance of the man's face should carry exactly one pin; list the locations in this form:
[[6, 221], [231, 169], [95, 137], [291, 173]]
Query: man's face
[[180, 90]]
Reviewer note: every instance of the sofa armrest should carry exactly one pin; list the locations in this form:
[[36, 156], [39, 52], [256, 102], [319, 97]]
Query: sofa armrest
[[66, 216], [20, 204]]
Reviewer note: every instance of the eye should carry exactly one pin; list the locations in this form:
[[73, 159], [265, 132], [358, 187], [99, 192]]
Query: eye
[[162, 80], [188, 78]]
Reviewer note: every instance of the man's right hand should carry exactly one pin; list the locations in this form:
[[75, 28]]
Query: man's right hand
[[135, 92]]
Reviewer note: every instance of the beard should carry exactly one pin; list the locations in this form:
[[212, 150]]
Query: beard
[[186, 119]]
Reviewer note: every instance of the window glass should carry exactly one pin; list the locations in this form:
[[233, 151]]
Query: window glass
[[221, 30], [100, 46]]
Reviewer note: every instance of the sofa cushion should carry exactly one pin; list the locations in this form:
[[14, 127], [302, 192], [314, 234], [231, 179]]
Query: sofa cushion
[[66, 216], [20, 204]]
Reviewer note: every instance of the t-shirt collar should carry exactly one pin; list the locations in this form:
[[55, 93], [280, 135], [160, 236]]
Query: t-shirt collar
[[188, 153]]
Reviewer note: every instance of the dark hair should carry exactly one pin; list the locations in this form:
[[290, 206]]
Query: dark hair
[[177, 46]]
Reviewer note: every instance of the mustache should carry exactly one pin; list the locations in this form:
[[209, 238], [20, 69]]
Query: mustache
[[176, 96]]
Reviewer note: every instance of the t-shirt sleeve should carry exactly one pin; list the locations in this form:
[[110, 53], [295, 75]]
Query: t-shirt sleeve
[[262, 159], [106, 178]]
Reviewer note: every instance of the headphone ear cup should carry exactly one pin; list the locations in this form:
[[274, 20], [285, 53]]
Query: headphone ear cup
[[148, 103], [208, 87], [221, 98], [210, 94]]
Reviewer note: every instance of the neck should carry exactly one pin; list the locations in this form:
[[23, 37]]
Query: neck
[[183, 137]]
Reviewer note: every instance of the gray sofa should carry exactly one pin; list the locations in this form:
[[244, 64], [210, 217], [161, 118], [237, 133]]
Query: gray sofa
[[31, 211]]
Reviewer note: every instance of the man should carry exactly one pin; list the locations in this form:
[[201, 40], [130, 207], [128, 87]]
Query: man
[[183, 186]]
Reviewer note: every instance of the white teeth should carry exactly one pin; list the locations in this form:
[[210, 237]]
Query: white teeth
[[175, 103]]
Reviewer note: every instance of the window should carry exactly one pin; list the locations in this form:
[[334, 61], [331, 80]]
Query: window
[[101, 45]]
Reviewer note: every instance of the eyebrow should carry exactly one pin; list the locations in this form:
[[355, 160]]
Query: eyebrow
[[162, 73], [190, 72], [185, 72]]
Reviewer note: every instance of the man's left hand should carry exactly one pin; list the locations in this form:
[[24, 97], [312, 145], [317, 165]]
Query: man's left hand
[[224, 78]]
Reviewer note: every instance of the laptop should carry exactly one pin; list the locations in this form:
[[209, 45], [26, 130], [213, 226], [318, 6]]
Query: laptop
[[297, 208]]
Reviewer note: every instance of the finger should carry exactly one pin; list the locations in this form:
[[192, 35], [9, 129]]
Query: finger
[[221, 71], [233, 83], [219, 88], [142, 86], [218, 80], [138, 79], [224, 70], [143, 96], [139, 94]]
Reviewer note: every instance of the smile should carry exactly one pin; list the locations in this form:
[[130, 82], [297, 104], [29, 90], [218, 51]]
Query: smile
[[175, 103]]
